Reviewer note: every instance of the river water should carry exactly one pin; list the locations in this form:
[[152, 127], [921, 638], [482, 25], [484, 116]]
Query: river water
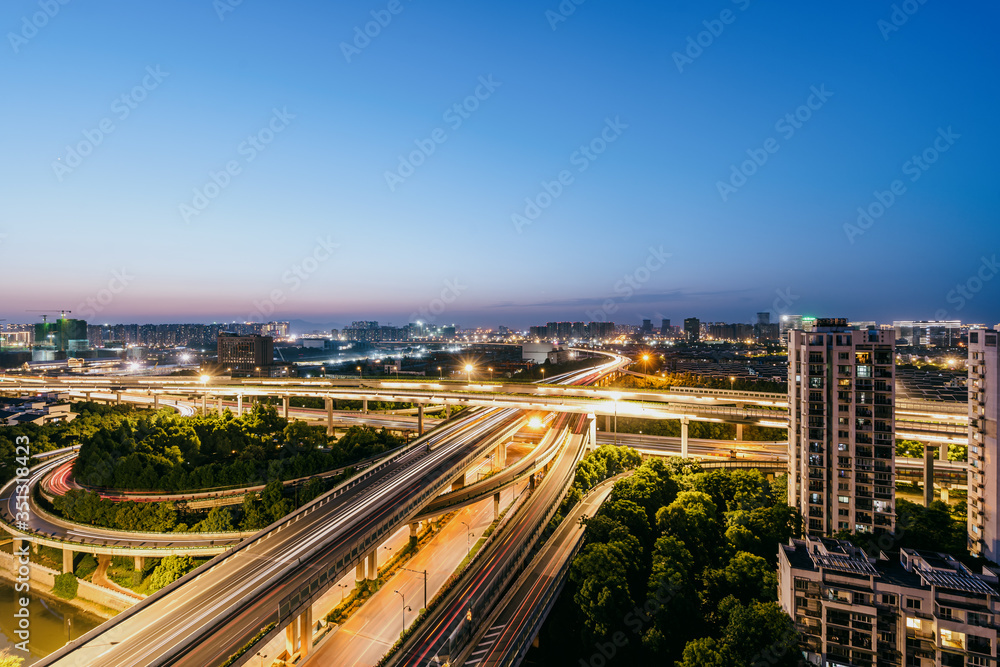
[[53, 623]]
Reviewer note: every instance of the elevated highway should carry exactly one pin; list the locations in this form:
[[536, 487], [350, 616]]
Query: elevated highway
[[268, 582]]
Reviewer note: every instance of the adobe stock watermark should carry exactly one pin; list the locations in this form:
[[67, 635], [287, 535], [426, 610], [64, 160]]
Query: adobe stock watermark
[[449, 294], [581, 158], [899, 17], [630, 284], [121, 108], [915, 167], [248, 149], [30, 25], [92, 305], [966, 291], [454, 116], [786, 126], [696, 44], [223, 7], [293, 277], [562, 13], [363, 35]]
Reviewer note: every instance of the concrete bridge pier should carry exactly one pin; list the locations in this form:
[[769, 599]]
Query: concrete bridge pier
[[285, 400], [496, 505], [329, 416], [292, 638], [739, 427], [373, 564], [219, 406], [944, 452], [685, 422], [447, 411], [86, 395], [305, 623], [607, 423], [364, 406], [458, 483], [156, 401], [118, 398], [67, 560], [239, 405], [414, 529], [928, 475], [359, 571], [420, 418], [140, 563]]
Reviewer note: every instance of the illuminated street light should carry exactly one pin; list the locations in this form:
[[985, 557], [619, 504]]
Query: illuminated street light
[[468, 369], [440, 373], [616, 397]]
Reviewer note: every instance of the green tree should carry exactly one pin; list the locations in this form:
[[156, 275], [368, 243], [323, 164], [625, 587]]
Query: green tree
[[65, 585], [169, 570], [219, 520], [706, 652]]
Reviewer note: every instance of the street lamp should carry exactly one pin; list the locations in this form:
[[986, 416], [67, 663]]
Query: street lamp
[[491, 374], [468, 369], [440, 373], [468, 537], [360, 374], [732, 382], [543, 375], [645, 363], [343, 588], [405, 608], [423, 572], [615, 397]]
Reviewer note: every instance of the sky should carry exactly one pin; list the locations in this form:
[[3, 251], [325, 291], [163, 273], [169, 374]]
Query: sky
[[489, 163]]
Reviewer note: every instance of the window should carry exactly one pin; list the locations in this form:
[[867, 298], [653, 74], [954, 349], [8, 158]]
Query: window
[[843, 447], [952, 639], [913, 623], [844, 500], [913, 603], [889, 598], [864, 371]]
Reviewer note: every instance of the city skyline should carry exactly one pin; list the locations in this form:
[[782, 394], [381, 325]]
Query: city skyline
[[219, 175]]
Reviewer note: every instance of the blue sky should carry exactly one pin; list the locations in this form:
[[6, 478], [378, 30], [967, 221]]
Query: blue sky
[[309, 228]]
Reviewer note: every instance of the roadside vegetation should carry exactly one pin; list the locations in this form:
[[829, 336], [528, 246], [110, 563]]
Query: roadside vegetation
[[678, 568]]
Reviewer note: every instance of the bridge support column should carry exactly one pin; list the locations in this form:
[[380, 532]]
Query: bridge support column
[[364, 405], [219, 406], [739, 432], [204, 404], [359, 571], [944, 452], [531, 482], [607, 423], [447, 411], [86, 395], [140, 563], [292, 638], [685, 421], [239, 405], [928, 475], [414, 528], [18, 546], [458, 483], [329, 416], [67, 560], [118, 398], [373, 564], [496, 505], [284, 406], [420, 418], [156, 401], [305, 621]]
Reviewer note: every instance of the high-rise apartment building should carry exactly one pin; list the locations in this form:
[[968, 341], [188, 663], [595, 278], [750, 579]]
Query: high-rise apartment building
[[841, 441], [692, 328], [984, 410], [242, 355]]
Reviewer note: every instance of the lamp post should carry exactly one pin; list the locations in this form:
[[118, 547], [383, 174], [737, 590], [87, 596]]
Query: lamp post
[[405, 608], [468, 369], [615, 398], [440, 373], [732, 382], [361, 375], [543, 375], [468, 537], [491, 373], [423, 572]]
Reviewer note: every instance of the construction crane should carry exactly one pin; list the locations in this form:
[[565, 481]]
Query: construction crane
[[62, 312]]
